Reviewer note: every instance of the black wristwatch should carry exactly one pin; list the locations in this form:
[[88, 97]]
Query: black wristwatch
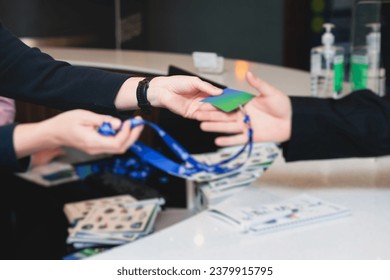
[[142, 97]]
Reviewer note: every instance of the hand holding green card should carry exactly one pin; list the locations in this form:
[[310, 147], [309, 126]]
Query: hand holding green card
[[229, 100]]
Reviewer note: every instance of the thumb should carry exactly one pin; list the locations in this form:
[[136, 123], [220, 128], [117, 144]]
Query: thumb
[[260, 85], [208, 88], [98, 119]]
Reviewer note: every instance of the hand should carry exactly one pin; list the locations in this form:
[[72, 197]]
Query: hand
[[45, 156], [270, 113], [76, 129], [180, 94]]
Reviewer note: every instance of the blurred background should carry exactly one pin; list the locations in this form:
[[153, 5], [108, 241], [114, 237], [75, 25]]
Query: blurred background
[[279, 32]]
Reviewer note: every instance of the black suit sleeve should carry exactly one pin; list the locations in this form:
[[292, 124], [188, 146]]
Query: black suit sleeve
[[30, 75], [8, 160], [357, 125]]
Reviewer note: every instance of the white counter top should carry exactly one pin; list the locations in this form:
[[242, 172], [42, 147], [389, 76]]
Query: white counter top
[[293, 82], [359, 184]]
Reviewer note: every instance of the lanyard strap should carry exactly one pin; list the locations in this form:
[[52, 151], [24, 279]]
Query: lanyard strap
[[190, 165]]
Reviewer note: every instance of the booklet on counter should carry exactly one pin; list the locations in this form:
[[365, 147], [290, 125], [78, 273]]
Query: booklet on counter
[[296, 211], [111, 220]]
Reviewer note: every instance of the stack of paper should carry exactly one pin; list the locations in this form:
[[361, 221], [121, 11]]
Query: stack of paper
[[112, 221], [76, 211]]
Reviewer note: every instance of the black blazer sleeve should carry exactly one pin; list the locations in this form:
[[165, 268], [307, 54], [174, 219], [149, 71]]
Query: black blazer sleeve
[[30, 75], [8, 160], [357, 125]]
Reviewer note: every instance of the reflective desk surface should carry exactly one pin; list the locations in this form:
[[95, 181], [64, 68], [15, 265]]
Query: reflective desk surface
[[293, 82], [363, 185]]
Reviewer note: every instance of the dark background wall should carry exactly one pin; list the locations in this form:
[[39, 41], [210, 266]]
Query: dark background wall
[[279, 32], [83, 22], [249, 29]]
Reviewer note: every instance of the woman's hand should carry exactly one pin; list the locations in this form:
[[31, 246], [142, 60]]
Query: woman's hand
[[270, 113], [180, 94], [76, 129]]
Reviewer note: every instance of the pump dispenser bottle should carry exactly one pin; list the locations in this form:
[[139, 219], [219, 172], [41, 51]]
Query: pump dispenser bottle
[[366, 71], [327, 67]]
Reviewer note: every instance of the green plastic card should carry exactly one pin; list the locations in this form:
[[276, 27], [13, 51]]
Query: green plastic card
[[229, 100]]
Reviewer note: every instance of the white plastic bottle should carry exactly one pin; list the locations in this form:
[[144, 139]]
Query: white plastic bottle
[[327, 67], [366, 71]]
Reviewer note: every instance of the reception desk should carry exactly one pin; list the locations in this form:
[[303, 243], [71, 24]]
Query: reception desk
[[359, 185], [362, 185], [293, 82]]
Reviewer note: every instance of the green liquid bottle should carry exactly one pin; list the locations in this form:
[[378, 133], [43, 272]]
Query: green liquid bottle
[[366, 72], [327, 67]]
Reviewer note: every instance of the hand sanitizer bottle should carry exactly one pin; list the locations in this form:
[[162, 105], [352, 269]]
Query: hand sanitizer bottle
[[327, 67], [366, 71]]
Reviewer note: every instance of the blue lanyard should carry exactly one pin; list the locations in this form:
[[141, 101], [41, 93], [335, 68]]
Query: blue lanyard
[[190, 165]]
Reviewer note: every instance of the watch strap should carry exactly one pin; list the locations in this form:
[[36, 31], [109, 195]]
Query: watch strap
[[142, 98]]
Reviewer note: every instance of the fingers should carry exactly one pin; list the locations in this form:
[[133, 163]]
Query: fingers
[[194, 109], [115, 122], [205, 106], [125, 137], [207, 87], [116, 144], [94, 119], [222, 127], [216, 116], [134, 135], [238, 139]]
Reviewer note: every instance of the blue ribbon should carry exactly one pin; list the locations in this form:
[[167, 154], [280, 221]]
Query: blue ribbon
[[190, 165]]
